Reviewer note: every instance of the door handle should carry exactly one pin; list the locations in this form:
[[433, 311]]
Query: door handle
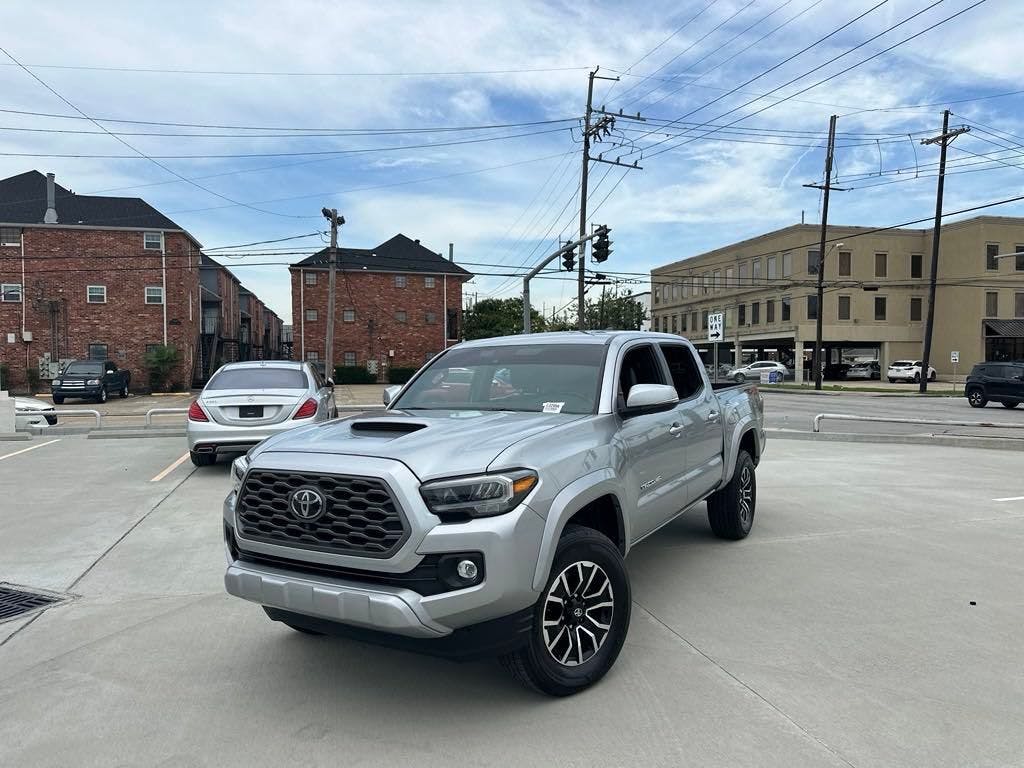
[[712, 417], [675, 429]]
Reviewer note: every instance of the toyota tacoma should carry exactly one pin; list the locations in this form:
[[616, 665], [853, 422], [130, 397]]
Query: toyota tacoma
[[493, 518]]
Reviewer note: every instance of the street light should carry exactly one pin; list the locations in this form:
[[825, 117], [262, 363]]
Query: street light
[[821, 295]]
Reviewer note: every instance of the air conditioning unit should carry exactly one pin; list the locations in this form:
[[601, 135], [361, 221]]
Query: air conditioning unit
[[26, 335]]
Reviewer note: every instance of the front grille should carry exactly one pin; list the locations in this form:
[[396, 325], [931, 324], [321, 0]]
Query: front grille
[[73, 385], [361, 516]]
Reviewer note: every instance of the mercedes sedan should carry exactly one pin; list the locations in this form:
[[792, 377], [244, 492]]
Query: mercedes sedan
[[245, 403]]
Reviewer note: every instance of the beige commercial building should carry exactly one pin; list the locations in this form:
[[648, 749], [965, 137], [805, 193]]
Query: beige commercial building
[[875, 301]]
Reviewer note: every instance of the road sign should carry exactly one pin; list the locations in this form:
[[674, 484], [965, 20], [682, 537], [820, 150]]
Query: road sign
[[954, 356], [716, 326]]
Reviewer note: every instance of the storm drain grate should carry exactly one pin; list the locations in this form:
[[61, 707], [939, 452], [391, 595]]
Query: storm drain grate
[[14, 602]]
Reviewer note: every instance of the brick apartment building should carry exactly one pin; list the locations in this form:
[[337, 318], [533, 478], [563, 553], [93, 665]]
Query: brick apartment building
[[396, 305], [87, 276]]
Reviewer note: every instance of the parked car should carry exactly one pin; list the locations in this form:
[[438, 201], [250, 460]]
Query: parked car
[[755, 369], [32, 413], [91, 380], [496, 525], [869, 370], [908, 370], [996, 382], [245, 403], [835, 371]]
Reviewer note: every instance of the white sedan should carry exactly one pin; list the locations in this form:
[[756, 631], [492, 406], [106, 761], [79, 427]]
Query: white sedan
[[755, 369], [907, 370], [32, 413]]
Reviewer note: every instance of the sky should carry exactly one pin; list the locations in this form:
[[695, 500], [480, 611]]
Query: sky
[[460, 122]]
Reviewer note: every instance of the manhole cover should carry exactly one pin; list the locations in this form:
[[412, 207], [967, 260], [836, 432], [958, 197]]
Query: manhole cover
[[15, 602]]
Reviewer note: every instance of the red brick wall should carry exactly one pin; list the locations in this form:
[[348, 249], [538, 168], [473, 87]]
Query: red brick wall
[[60, 263], [376, 330]]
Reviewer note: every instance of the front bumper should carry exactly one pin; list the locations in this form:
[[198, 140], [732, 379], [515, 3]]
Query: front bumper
[[85, 393]]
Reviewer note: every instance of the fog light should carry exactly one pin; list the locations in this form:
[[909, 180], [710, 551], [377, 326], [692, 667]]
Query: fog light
[[467, 570]]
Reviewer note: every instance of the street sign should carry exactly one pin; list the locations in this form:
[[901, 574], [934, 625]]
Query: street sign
[[716, 326], [954, 356]]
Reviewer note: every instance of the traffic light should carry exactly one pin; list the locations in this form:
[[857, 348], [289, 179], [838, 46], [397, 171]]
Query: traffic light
[[601, 248], [569, 259]]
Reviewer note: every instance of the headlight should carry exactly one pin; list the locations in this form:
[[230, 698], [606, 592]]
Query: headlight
[[479, 495], [55, 383], [238, 468], [93, 382]]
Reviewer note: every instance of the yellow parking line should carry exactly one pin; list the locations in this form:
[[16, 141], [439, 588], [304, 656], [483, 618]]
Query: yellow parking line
[[30, 448], [177, 463]]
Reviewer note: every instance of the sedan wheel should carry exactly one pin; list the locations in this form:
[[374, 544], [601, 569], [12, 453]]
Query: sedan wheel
[[976, 398], [103, 395], [739, 378]]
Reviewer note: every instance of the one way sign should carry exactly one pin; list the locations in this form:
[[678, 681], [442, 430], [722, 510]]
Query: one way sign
[[716, 326]]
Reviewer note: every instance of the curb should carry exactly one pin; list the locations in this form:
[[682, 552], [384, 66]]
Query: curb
[[767, 388], [949, 441], [15, 436]]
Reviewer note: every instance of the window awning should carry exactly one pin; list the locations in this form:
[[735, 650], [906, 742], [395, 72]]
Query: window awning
[[1004, 328]]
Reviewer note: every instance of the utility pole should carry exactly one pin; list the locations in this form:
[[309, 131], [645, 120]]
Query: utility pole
[[331, 214], [827, 186], [942, 140]]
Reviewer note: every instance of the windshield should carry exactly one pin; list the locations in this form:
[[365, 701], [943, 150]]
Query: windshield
[[84, 369], [259, 378], [549, 378]]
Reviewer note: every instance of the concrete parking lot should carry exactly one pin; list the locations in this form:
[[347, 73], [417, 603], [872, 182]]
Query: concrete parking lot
[[871, 619]]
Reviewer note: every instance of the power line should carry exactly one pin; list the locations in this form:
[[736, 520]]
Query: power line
[[248, 73]]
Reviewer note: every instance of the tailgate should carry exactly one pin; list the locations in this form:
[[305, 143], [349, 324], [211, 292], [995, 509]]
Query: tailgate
[[268, 407]]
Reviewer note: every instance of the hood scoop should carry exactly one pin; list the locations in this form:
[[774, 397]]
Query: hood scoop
[[385, 428]]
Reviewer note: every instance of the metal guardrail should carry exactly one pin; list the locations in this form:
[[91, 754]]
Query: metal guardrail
[[897, 420], [152, 411], [76, 412], [347, 408]]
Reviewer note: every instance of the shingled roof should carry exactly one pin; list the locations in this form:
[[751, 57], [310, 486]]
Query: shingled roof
[[399, 254], [23, 201]]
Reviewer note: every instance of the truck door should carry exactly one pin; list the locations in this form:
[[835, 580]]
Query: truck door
[[650, 454], [699, 414]]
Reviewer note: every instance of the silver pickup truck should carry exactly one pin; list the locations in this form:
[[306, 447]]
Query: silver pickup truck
[[489, 508]]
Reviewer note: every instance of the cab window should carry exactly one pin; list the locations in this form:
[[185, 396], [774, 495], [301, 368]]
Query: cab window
[[639, 366], [686, 377]]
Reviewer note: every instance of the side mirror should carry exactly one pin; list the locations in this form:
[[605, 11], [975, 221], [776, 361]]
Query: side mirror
[[330, 382], [650, 395], [390, 393]]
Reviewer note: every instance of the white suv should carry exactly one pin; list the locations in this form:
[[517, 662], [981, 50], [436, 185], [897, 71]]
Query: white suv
[[908, 370], [754, 371]]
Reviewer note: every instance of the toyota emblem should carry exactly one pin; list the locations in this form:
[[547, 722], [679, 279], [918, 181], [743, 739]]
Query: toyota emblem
[[307, 504]]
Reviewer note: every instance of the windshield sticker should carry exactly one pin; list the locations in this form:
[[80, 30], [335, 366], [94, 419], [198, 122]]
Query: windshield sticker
[[553, 407]]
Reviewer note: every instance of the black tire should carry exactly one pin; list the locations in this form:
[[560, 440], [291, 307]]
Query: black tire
[[739, 378], [731, 510], [102, 396], [932, 376], [976, 397], [58, 399], [917, 378], [534, 665], [124, 390], [892, 380], [202, 459], [1014, 404]]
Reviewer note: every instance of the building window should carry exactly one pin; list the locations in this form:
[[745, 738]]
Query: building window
[[718, 280], [991, 251], [787, 264], [730, 278], [657, 294], [154, 294], [1018, 261], [311, 278], [881, 265], [1018, 305], [349, 359], [915, 265], [769, 311], [682, 323], [428, 282], [879, 307], [813, 260], [812, 307], [755, 313], [10, 292], [845, 267], [741, 314], [400, 281], [693, 320], [430, 318], [743, 275], [991, 304], [755, 273], [772, 273], [96, 294], [675, 291], [153, 241], [787, 305], [915, 309], [704, 320], [312, 356], [400, 316], [10, 236], [97, 351], [348, 315], [152, 348], [311, 315], [675, 323], [844, 308], [706, 283]]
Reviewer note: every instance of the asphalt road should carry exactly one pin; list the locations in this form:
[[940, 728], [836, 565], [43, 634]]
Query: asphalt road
[[878, 628]]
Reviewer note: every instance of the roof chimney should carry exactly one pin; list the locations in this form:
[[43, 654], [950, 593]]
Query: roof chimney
[[451, 251], [50, 217]]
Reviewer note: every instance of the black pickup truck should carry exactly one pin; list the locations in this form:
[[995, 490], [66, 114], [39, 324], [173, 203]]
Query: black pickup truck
[[90, 380]]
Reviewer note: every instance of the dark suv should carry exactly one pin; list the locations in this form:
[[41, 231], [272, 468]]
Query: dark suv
[[91, 380], [998, 382]]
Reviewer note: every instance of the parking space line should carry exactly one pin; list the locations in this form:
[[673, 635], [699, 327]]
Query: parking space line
[[30, 448], [174, 465], [1011, 498]]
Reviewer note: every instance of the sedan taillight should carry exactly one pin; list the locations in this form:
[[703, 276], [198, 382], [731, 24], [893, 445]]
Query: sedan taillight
[[306, 410], [196, 413]]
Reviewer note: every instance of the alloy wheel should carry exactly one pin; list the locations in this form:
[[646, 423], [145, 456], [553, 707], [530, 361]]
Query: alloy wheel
[[746, 497], [578, 610]]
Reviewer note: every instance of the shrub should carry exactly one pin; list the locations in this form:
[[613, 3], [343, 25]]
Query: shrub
[[400, 375], [160, 363], [353, 374], [33, 379]]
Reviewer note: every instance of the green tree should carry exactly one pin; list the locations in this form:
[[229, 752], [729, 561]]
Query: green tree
[[498, 317], [613, 310], [160, 363]]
